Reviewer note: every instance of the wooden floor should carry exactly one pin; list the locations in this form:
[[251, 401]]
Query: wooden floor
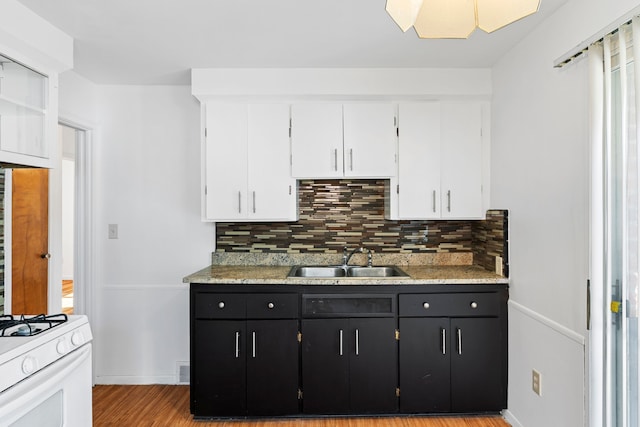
[[67, 296], [168, 406]]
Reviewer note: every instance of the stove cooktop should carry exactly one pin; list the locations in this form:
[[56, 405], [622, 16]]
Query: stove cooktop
[[26, 326]]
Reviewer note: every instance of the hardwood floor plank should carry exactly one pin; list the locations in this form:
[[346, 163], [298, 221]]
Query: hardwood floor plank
[[168, 406]]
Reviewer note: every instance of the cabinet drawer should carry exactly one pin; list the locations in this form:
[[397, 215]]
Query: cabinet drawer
[[450, 305], [272, 306], [220, 306], [349, 305]]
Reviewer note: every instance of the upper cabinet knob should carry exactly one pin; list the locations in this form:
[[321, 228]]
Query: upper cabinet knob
[[221, 304], [425, 305], [270, 305], [474, 304]]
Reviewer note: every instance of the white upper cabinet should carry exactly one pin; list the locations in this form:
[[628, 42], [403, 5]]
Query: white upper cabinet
[[419, 161], [247, 172], [440, 161], [461, 165], [25, 134], [343, 140], [316, 141], [369, 140]]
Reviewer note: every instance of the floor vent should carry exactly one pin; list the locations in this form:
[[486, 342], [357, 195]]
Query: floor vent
[[184, 373]]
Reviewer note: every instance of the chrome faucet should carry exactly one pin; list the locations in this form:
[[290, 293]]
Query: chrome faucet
[[346, 255]]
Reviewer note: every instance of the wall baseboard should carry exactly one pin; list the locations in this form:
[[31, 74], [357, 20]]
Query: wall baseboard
[[135, 380], [511, 419]]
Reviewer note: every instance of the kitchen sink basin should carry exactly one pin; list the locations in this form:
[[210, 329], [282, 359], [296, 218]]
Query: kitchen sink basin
[[327, 272]]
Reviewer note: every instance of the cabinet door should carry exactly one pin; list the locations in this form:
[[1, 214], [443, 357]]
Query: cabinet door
[[218, 386], [226, 161], [325, 366], [476, 365], [271, 192], [369, 140], [419, 161], [461, 170], [425, 348], [272, 367], [373, 367], [316, 141]]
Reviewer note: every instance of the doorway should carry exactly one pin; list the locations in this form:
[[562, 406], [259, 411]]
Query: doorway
[[68, 139]]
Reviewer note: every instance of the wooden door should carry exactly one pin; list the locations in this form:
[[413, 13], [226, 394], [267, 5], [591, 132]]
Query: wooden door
[[30, 241]]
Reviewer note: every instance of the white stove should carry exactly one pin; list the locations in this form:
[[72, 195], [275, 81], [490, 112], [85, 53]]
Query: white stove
[[45, 371]]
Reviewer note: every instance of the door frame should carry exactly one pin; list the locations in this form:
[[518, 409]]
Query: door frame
[[83, 224]]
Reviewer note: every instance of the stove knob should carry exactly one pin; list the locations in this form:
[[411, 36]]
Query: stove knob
[[77, 339], [61, 347], [28, 365]]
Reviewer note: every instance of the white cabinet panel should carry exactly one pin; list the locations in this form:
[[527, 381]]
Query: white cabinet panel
[[247, 163], [440, 161], [343, 140], [226, 161], [461, 173], [271, 190], [419, 160], [316, 140]]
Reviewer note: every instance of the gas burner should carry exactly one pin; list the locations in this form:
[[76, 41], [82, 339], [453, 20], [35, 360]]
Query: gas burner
[[22, 326]]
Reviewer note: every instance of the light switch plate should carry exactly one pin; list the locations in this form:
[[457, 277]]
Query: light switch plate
[[113, 231]]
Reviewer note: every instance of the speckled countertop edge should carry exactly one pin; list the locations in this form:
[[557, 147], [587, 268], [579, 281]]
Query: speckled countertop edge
[[277, 275]]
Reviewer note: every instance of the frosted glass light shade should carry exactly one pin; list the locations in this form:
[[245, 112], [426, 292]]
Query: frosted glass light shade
[[404, 12], [446, 19], [495, 14], [457, 19]]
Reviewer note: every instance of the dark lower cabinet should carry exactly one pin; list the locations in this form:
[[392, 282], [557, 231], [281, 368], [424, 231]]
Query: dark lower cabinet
[[242, 366], [451, 364], [381, 350], [349, 366]]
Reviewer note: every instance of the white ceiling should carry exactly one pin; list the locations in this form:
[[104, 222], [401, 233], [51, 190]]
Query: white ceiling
[[159, 41]]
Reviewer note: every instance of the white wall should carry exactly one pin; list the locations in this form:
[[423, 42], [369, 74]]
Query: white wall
[[540, 172], [147, 180]]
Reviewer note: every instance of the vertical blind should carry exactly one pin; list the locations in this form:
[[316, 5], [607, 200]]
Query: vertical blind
[[615, 228]]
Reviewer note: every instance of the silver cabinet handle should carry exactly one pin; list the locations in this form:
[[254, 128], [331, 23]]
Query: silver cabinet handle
[[239, 202], [357, 342], [448, 200], [340, 342], [459, 334], [443, 335], [473, 304], [335, 159], [426, 305], [221, 304], [254, 202], [351, 158], [434, 200], [253, 344], [270, 305], [237, 344]]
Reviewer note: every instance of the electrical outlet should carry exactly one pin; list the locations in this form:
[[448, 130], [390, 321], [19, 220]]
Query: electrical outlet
[[499, 270], [113, 231], [536, 382]]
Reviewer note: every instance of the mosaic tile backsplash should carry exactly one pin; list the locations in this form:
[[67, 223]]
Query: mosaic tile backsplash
[[338, 213]]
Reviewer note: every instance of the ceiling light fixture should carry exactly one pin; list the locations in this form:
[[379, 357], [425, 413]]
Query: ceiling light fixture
[[457, 19]]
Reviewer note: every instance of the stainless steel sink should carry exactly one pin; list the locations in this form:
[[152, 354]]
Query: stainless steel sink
[[328, 272], [320, 272], [377, 272]]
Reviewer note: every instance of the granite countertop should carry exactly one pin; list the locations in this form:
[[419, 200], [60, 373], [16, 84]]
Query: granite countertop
[[277, 274]]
